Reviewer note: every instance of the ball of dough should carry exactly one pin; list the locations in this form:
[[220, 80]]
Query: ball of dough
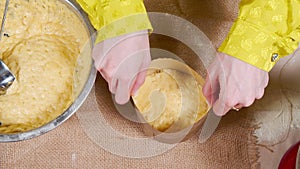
[[171, 97]]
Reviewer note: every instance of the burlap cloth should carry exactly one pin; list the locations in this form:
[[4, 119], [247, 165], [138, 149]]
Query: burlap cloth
[[68, 146]]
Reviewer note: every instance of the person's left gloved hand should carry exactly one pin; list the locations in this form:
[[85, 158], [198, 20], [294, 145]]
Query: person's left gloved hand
[[233, 84], [122, 61]]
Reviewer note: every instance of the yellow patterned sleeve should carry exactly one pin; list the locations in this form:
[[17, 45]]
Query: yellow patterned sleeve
[[116, 17], [265, 31]]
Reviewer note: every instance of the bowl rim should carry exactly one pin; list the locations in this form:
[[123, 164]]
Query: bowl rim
[[73, 5]]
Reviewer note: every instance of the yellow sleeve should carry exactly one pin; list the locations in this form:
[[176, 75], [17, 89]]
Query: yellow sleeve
[[116, 17], [265, 31]]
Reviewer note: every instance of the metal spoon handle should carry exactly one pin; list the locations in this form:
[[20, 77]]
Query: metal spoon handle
[[6, 77], [4, 18]]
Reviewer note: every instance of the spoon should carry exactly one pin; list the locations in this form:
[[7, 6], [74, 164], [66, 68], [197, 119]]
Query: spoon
[[4, 18], [6, 78]]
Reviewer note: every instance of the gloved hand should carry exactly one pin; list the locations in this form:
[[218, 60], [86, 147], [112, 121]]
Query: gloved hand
[[122, 61], [232, 83]]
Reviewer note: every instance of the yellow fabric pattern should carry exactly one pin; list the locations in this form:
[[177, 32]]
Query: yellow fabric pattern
[[263, 30], [116, 17]]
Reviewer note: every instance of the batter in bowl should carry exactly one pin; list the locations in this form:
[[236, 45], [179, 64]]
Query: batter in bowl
[[41, 44]]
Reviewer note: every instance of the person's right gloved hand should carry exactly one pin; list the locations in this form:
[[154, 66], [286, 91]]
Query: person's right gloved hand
[[122, 61], [233, 84]]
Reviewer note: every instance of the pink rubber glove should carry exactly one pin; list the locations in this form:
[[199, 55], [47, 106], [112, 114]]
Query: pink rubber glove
[[122, 62], [232, 83]]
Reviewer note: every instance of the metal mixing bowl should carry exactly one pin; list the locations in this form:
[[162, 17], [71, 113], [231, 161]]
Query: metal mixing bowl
[[87, 76]]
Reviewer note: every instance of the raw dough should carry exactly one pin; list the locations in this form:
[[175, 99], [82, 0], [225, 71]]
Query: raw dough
[[171, 97]]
